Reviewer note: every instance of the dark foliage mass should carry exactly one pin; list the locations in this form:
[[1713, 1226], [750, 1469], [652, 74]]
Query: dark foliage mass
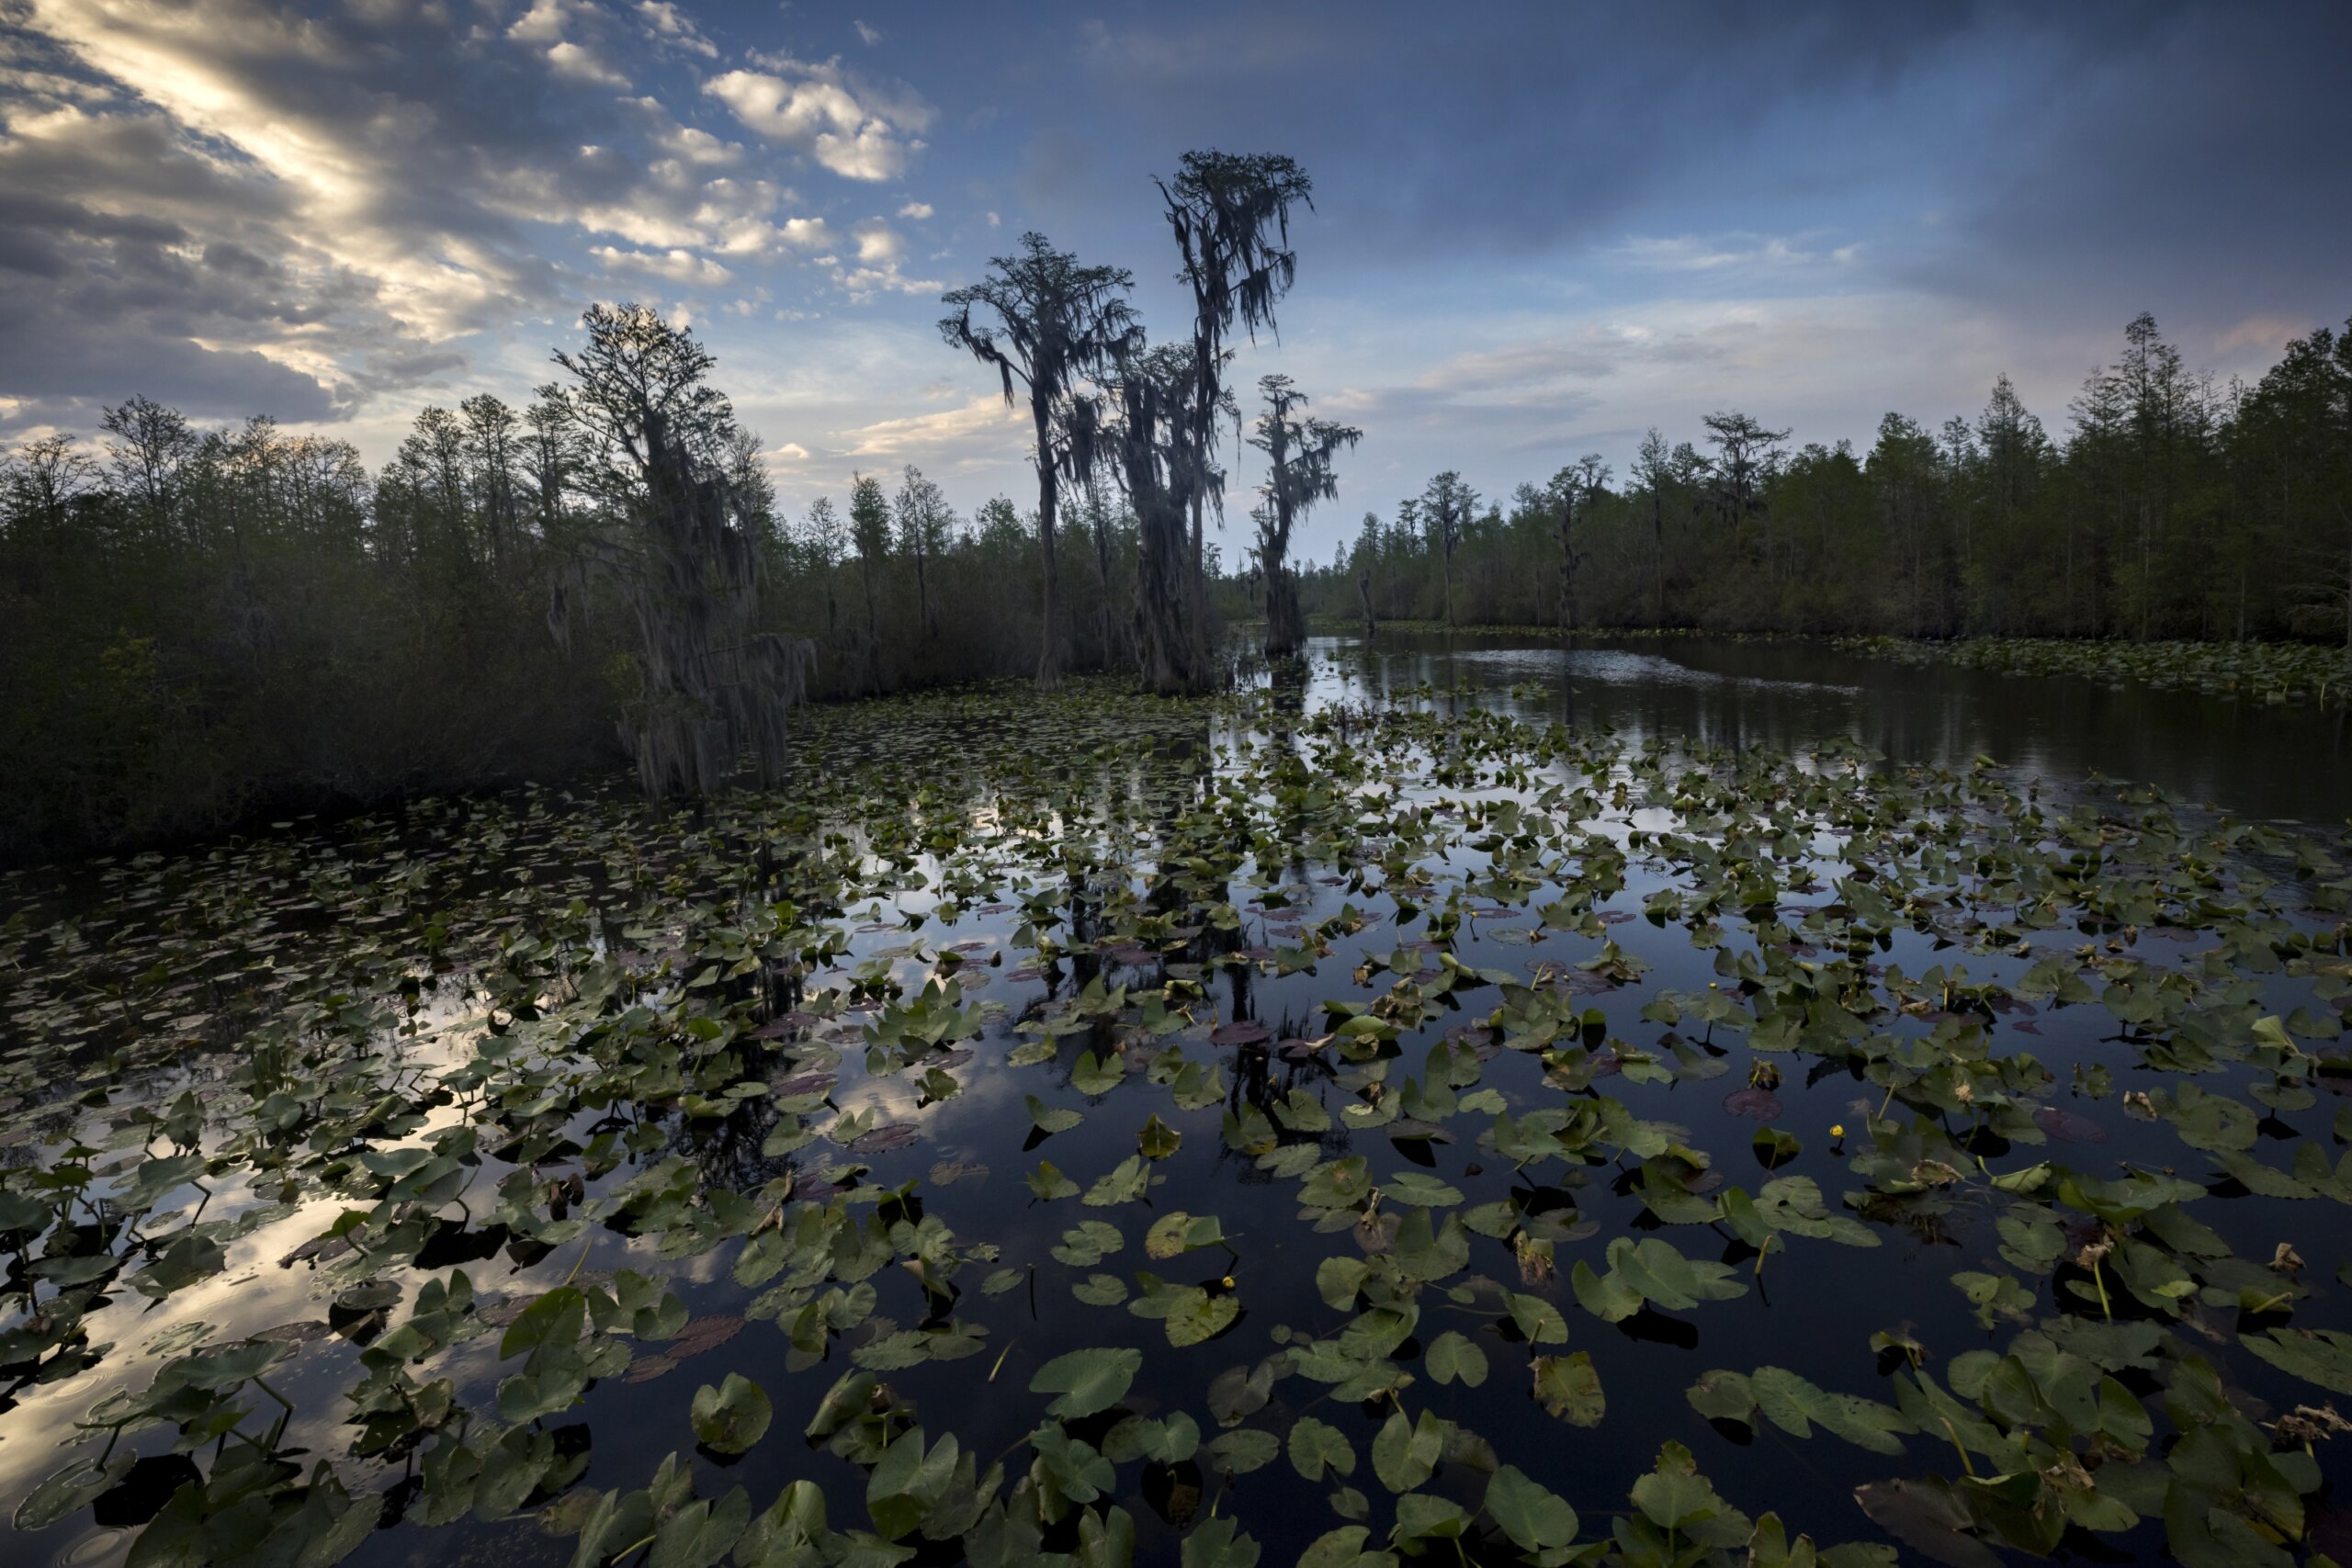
[[2171, 507], [199, 627]]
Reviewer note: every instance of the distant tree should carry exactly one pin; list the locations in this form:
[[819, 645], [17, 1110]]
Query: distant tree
[[1099, 527], [1571, 492], [2014, 447], [432, 460], [2297, 423], [1446, 508], [1904, 467], [1043, 320], [552, 460], [150, 453], [825, 539], [1230, 215], [40, 481], [998, 523], [490, 453], [1299, 452], [751, 493], [2167, 410], [869, 534], [924, 519], [1654, 471], [1743, 458]]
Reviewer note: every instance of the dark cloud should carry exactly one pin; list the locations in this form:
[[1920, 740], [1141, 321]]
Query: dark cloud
[[2190, 165], [340, 194], [65, 364], [1979, 145]]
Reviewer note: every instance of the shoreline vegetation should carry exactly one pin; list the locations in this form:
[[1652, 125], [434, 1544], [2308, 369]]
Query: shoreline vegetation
[[2272, 673]]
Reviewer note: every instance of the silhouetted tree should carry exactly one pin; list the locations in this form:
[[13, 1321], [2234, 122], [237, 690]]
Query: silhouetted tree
[[924, 518], [869, 534], [1743, 460], [1055, 324], [1230, 214], [711, 684], [1570, 492], [1299, 452], [1158, 468], [1446, 507], [824, 541]]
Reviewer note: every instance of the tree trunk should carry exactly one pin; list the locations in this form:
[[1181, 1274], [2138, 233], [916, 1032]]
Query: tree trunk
[[1048, 652], [1286, 630], [1657, 537], [1101, 527], [873, 633], [1197, 596], [1363, 592], [2146, 586], [1163, 650], [1285, 633], [1567, 612]]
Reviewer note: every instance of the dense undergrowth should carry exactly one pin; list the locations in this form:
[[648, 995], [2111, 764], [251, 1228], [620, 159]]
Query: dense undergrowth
[[1088, 1131]]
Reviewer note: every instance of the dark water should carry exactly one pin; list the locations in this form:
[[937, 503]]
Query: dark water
[[1812, 1310], [2249, 759]]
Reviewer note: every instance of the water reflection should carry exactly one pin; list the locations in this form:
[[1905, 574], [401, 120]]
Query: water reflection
[[2244, 758]]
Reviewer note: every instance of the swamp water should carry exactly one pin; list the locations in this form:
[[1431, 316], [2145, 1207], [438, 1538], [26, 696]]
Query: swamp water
[[1395, 1110]]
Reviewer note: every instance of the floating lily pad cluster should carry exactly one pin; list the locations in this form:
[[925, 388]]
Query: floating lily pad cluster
[[2271, 672], [1081, 1130], [2258, 672]]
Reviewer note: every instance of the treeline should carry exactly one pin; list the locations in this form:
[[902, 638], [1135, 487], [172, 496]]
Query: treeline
[[198, 626], [2170, 507]]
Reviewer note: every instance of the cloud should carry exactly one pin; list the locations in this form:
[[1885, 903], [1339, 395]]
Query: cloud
[[989, 423], [543, 23], [818, 110], [1725, 252], [1539, 362], [243, 208], [550, 22], [871, 36], [673, 27], [682, 266], [582, 63], [865, 282], [917, 210], [877, 243]]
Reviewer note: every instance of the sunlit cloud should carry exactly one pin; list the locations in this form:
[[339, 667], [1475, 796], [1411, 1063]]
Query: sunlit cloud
[[671, 267], [819, 110]]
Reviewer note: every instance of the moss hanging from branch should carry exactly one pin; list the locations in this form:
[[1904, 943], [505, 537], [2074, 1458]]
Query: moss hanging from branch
[[713, 684]]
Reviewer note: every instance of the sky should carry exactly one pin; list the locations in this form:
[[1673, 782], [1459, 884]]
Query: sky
[[1537, 230]]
